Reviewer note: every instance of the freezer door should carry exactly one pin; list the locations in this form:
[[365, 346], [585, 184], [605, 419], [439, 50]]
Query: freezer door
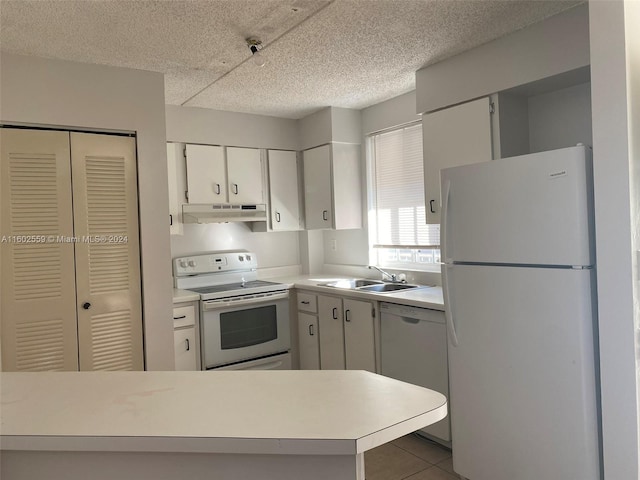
[[533, 209], [522, 377]]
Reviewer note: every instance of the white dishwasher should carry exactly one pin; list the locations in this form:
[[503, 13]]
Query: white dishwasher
[[414, 350]]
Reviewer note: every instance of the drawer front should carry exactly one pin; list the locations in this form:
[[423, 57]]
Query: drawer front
[[307, 302], [184, 316]]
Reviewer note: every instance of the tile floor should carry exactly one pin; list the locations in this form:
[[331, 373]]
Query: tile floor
[[409, 458]]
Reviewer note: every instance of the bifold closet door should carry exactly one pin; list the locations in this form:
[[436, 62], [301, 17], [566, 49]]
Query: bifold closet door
[[38, 289], [108, 257]]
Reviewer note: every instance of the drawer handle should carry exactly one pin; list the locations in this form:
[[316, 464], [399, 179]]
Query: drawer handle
[[180, 317], [335, 313], [188, 346], [311, 329], [305, 302], [325, 216], [346, 315]]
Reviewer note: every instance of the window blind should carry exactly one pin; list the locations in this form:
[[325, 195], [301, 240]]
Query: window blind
[[399, 206]]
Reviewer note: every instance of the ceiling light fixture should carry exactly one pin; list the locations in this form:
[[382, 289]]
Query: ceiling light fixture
[[255, 46]]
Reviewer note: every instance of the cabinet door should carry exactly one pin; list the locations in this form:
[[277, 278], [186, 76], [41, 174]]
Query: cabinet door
[[308, 340], [206, 174], [284, 190], [454, 136], [37, 286], [359, 342], [107, 255], [347, 193], [175, 170], [184, 344], [245, 175], [331, 333], [317, 188]]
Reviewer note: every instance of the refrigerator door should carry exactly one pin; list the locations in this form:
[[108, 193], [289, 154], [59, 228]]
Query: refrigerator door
[[522, 376], [528, 210]]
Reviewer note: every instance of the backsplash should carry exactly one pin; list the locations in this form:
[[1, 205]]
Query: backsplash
[[273, 249]]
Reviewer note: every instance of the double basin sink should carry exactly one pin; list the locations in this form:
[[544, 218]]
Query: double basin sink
[[367, 285]]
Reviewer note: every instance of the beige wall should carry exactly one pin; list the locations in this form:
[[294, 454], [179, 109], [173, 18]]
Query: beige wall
[[39, 91], [615, 97]]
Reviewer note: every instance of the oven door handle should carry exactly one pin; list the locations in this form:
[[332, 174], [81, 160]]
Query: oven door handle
[[215, 304]]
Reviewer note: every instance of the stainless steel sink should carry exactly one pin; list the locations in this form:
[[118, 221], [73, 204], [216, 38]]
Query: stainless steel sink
[[352, 283], [387, 287]]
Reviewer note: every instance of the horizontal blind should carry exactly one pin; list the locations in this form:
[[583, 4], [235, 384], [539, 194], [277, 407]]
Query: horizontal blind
[[399, 191]]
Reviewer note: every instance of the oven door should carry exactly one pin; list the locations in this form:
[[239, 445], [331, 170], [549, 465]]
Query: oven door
[[244, 328]]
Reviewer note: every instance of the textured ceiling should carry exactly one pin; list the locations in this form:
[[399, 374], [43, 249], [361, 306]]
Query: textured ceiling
[[318, 53]]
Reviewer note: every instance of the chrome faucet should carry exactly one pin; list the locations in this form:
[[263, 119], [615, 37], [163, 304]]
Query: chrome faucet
[[392, 276]]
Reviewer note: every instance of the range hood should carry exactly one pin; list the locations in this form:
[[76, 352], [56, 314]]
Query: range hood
[[222, 213]]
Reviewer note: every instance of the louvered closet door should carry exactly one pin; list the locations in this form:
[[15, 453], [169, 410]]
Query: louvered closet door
[[107, 253], [38, 290]]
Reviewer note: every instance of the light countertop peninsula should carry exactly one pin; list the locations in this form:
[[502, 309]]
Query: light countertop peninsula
[[293, 415]]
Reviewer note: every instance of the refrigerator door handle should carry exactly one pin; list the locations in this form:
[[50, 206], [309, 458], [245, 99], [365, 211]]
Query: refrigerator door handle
[[444, 221], [448, 313]]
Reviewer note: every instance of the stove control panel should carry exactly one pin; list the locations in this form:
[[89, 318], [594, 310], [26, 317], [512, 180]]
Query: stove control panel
[[214, 262]]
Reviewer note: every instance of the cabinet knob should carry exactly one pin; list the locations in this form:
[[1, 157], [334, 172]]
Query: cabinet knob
[[86, 305], [325, 215], [335, 313], [346, 315], [234, 188], [431, 202], [217, 189]]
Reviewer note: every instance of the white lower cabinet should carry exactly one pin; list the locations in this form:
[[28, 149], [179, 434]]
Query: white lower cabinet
[[185, 337], [184, 344], [346, 328], [308, 341], [359, 336], [330, 320], [309, 346]]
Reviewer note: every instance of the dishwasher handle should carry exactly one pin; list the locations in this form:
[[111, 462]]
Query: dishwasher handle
[[413, 321]]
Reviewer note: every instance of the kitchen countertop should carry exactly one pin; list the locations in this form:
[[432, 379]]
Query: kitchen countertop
[[181, 296], [253, 412], [425, 297]]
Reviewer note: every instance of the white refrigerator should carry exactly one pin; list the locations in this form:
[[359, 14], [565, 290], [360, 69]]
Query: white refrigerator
[[519, 287]]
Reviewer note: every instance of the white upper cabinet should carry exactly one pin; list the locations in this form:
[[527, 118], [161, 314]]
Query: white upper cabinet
[[206, 174], [454, 136], [317, 188], [177, 190], [284, 191], [215, 176], [332, 187], [245, 175]]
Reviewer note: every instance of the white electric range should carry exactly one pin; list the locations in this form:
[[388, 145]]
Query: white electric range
[[244, 322]]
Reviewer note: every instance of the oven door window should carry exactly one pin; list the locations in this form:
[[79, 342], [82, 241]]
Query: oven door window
[[243, 328]]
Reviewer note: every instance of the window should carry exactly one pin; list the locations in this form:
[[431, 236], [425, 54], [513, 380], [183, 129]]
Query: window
[[398, 234]]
